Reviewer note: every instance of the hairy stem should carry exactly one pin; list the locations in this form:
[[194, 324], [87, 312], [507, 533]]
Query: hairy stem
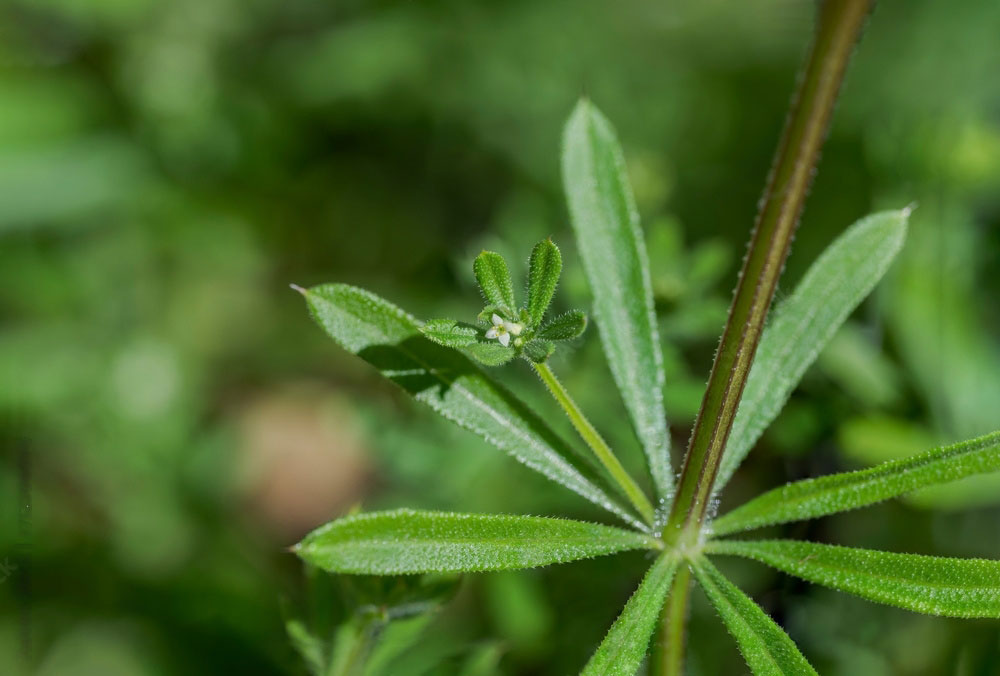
[[597, 444], [668, 656], [838, 28]]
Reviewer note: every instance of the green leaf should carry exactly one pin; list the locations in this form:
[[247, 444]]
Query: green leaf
[[623, 649], [934, 585], [490, 354], [812, 498], [309, 648], [494, 281], [606, 223], [539, 350], [444, 379], [406, 541], [544, 269], [801, 325], [566, 326], [765, 646], [449, 333]]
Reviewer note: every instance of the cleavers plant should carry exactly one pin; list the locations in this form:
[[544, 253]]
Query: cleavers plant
[[756, 368]]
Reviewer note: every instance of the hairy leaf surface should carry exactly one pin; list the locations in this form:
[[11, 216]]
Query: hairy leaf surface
[[390, 340], [566, 326], [933, 585], [406, 541], [544, 268], [494, 280], [449, 333], [606, 223], [624, 647], [803, 323], [765, 646], [812, 498]]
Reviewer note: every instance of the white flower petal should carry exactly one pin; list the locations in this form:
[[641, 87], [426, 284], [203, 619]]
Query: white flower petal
[[492, 333], [497, 320], [513, 327], [505, 339]]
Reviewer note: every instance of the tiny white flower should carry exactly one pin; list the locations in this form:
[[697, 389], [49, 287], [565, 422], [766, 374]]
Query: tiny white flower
[[502, 330]]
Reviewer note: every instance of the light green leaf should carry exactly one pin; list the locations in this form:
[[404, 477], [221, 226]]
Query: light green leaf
[[802, 324], [812, 498], [925, 584], [765, 646], [623, 649], [444, 379], [494, 280], [611, 245], [544, 269], [566, 326], [449, 333], [406, 541]]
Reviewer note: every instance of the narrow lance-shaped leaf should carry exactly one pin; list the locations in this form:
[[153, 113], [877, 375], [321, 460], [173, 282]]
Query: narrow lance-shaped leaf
[[406, 541], [494, 280], [812, 498], [765, 646], [566, 326], [606, 223], [925, 584], [802, 324], [623, 649], [544, 269], [390, 340]]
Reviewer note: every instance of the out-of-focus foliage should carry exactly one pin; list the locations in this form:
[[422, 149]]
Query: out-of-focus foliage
[[166, 169]]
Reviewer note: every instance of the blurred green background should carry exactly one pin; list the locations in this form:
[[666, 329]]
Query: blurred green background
[[175, 420]]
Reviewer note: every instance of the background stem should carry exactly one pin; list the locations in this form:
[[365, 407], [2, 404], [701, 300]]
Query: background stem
[[668, 655], [597, 444], [838, 28]]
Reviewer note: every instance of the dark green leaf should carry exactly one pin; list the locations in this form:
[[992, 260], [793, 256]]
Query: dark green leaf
[[490, 354], [539, 350], [406, 541], [494, 281], [802, 324], [544, 269], [449, 333], [925, 584], [309, 648], [606, 223], [765, 646], [812, 498], [623, 649], [566, 326], [444, 379]]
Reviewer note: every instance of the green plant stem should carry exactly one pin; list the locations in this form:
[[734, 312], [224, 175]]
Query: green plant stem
[[838, 28], [597, 444], [668, 658]]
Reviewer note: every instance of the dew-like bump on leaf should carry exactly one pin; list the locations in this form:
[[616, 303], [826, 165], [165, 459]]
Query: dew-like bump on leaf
[[566, 326], [624, 647], [390, 340], [406, 541], [494, 280], [934, 585], [802, 324], [606, 223], [449, 333], [765, 646], [812, 498], [539, 350], [544, 269]]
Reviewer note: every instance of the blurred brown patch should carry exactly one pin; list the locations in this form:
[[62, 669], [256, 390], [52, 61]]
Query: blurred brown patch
[[302, 458]]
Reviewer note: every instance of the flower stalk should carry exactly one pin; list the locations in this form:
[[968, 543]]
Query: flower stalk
[[596, 442]]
